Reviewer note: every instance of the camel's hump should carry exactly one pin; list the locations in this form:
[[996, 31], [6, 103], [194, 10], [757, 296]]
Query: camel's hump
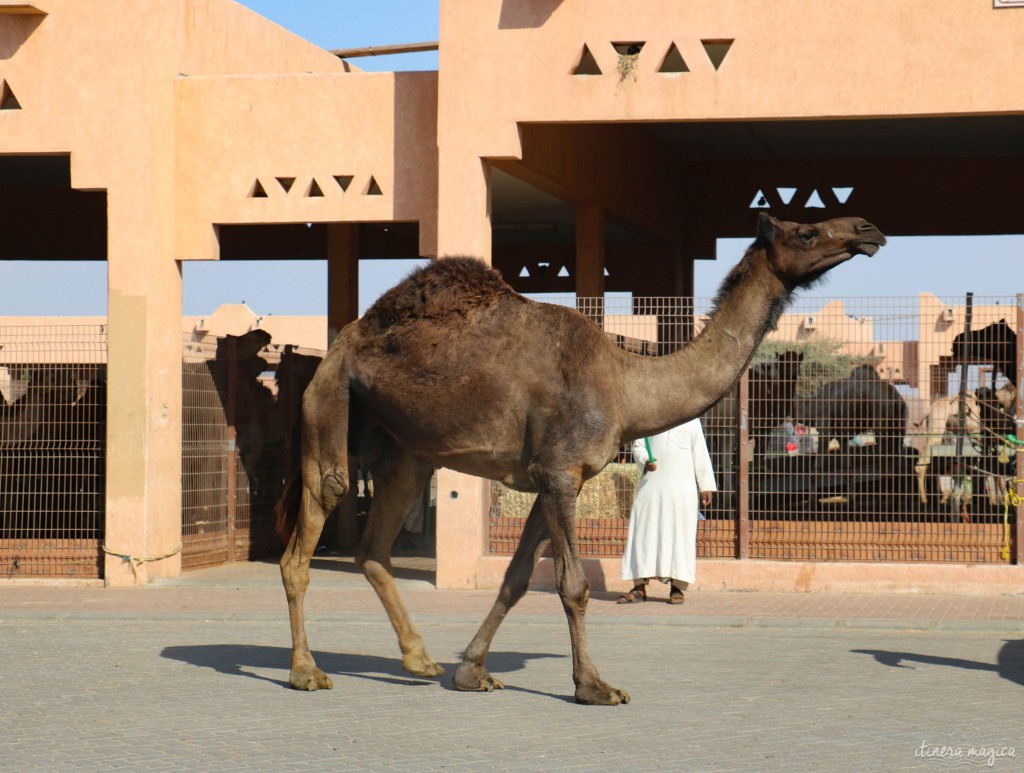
[[443, 287]]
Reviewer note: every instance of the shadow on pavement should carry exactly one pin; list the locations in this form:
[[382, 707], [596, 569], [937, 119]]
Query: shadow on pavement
[[345, 565], [243, 659], [1009, 664]]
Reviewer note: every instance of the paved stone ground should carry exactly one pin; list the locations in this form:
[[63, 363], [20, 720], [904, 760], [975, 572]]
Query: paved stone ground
[[192, 695], [190, 675]]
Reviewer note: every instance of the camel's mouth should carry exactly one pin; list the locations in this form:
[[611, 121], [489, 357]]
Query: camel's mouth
[[868, 248]]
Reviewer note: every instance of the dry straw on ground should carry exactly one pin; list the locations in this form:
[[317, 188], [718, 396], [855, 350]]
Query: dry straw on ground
[[607, 495]]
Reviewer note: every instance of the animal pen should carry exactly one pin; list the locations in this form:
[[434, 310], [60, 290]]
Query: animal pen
[[241, 397], [876, 429]]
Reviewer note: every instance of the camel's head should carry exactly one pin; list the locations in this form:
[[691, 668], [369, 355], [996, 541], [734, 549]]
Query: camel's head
[[800, 254]]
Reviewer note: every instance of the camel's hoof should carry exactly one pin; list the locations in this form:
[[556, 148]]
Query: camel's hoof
[[600, 694], [310, 679], [473, 678], [421, 664]]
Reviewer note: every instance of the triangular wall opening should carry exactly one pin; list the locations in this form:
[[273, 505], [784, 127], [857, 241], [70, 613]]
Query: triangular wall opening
[[373, 189], [257, 191], [673, 61], [587, 64], [314, 191], [716, 51], [7, 99]]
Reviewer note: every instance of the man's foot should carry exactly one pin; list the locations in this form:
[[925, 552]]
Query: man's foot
[[676, 596], [638, 594]]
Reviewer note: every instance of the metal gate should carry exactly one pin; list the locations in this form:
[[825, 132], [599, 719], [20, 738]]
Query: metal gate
[[874, 429], [241, 396], [53, 396]]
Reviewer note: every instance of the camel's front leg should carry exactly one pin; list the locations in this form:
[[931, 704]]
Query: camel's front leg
[[397, 484], [472, 673], [574, 591], [921, 471], [556, 507], [295, 575]]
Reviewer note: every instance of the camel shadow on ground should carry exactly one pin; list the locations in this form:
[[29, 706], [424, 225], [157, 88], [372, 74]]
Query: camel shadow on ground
[[249, 659], [1009, 663], [347, 566]]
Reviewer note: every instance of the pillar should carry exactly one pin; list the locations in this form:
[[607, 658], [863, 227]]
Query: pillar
[[590, 261], [463, 207], [463, 502], [342, 276], [464, 228], [144, 353], [342, 308]]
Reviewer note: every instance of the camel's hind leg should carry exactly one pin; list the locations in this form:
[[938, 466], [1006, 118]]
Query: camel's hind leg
[[324, 483], [399, 478], [304, 674]]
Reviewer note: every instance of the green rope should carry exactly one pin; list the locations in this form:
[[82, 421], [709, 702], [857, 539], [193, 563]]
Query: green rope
[[650, 453]]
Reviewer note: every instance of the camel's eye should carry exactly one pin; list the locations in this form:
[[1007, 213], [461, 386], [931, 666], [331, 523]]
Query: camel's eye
[[808, 235]]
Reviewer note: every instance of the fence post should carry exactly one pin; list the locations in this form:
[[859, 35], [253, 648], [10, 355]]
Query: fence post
[[1018, 553], [743, 476], [232, 442]]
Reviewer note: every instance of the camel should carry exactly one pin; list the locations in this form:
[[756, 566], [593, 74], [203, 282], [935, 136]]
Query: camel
[[860, 404], [988, 414], [453, 368], [772, 385], [942, 425], [995, 344]]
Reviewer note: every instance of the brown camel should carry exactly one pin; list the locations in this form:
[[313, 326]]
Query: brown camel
[[454, 369]]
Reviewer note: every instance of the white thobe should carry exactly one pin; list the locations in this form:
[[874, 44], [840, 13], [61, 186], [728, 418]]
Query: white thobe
[[662, 541]]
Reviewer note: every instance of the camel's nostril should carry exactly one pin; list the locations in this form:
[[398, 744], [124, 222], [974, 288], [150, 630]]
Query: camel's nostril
[[864, 227]]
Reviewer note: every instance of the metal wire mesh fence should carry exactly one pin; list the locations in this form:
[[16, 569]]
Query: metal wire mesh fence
[[241, 397], [874, 429], [52, 450]]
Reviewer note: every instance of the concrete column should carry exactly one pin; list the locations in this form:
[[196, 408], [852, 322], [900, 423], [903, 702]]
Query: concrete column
[[464, 206], [342, 308], [684, 274], [342, 276], [144, 350], [464, 228], [462, 505], [590, 251]]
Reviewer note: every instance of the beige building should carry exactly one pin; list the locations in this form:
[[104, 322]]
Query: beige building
[[147, 134]]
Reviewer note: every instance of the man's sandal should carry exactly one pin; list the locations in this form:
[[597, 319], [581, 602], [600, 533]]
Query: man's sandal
[[676, 596], [633, 597]]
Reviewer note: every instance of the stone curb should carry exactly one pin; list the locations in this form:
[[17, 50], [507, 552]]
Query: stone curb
[[694, 621]]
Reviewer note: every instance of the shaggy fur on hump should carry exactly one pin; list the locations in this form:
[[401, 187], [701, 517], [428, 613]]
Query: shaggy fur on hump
[[446, 287]]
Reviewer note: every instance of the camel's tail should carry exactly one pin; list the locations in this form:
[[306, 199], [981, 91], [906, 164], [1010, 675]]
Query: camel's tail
[[322, 435], [287, 507]]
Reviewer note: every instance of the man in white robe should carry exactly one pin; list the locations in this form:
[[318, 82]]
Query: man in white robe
[[662, 540]]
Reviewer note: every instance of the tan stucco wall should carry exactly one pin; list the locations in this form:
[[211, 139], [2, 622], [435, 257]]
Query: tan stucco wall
[[233, 132], [176, 107], [792, 58]]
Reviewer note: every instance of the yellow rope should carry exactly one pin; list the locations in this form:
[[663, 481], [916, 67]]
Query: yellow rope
[[136, 561], [1010, 499]]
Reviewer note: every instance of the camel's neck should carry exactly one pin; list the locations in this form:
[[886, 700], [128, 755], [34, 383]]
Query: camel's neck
[[661, 392]]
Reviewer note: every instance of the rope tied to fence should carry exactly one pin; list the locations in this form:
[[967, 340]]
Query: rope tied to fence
[[1016, 444], [136, 561], [1010, 499]]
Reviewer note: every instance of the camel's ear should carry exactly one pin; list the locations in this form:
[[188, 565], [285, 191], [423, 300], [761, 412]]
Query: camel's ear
[[767, 228]]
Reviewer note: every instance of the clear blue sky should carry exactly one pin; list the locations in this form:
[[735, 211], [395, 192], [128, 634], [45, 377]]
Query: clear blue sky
[[947, 266]]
